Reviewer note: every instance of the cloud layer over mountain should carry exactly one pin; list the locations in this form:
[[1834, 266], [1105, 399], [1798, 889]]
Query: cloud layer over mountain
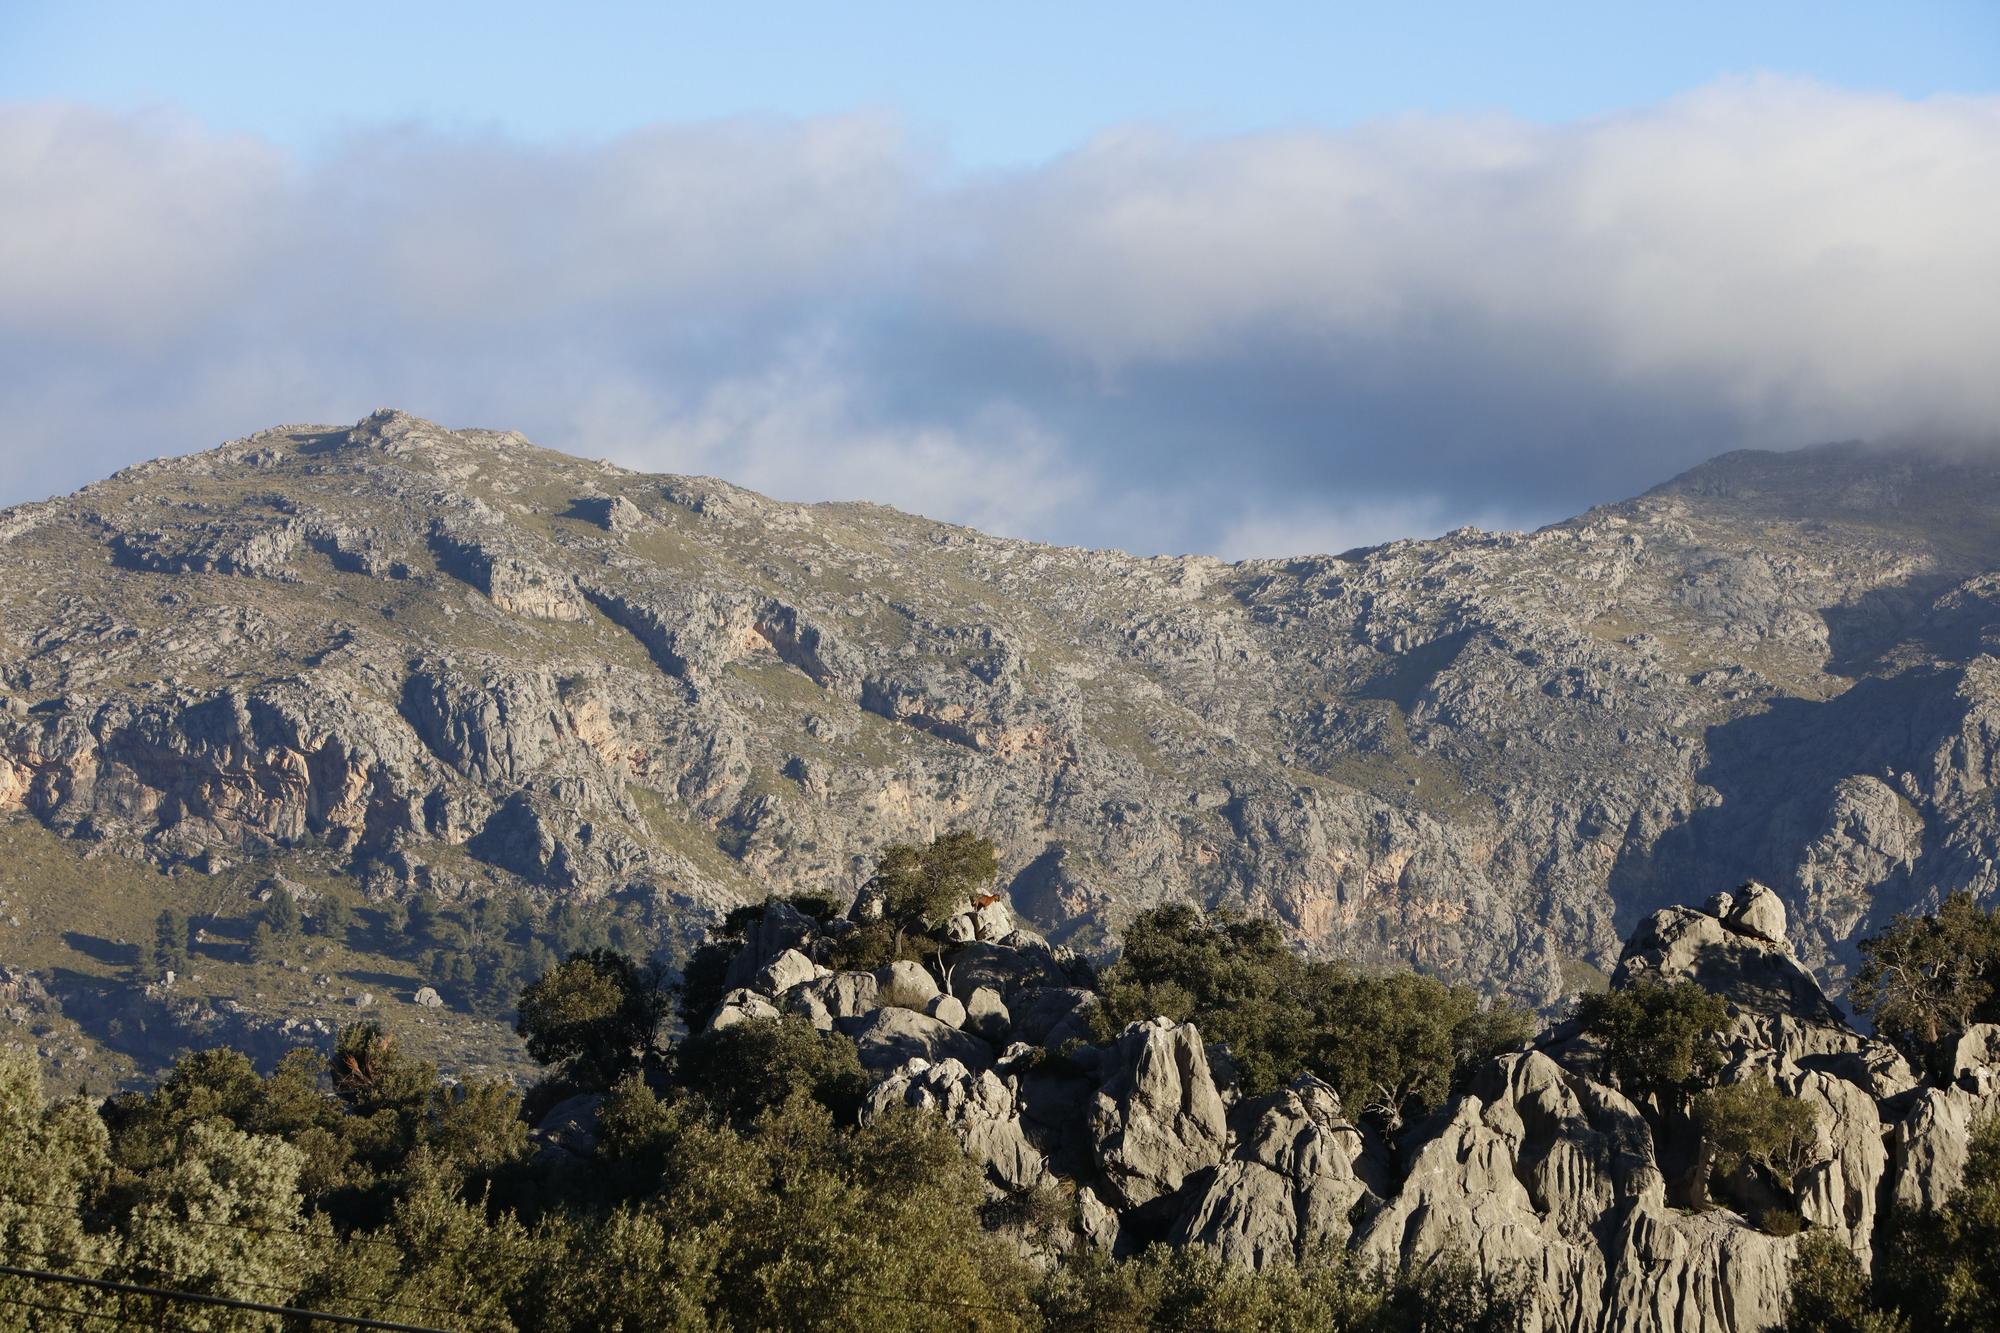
[[1251, 345]]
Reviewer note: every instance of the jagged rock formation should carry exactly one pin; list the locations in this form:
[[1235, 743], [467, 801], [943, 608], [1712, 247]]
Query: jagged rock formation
[[452, 658], [1540, 1167]]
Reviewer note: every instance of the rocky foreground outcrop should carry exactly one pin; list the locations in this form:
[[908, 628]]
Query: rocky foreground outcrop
[[440, 660], [1539, 1167]]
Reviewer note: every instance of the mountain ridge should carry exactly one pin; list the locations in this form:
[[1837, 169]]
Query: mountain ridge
[[449, 663]]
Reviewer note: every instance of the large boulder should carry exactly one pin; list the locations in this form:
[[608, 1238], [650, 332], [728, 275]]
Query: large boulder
[[1291, 1185], [1004, 968], [570, 1128], [1156, 1118], [1052, 1015], [741, 1006], [887, 1038], [781, 927], [986, 1015], [1736, 950], [904, 983], [1756, 910], [788, 969], [835, 996], [979, 1107], [1526, 1172]]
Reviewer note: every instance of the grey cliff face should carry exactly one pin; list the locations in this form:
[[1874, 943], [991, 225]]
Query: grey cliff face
[[451, 657], [1540, 1168]]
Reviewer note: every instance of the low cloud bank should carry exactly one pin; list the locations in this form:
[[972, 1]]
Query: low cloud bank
[[1236, 345]]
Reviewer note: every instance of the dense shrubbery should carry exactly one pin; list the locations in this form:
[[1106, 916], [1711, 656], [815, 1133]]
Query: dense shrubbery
[[1194, 1291], [1392, 1044], [733, 1185], [593, 1017], [1758, 1141], [396, 1196]]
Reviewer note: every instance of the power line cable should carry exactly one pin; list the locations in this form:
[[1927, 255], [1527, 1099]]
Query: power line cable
[[225, 1302], [412, 1306], [288, 1291]]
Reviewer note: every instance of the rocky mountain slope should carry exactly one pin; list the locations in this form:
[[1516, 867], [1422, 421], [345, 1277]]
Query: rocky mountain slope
[[1541, 1168], [436, 661]]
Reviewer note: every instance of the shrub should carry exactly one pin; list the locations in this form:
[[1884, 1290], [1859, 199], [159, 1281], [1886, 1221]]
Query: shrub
[[1781, 1221], [1829, 1292], [281, 913], [331, 917], [170, 943], [1754, 1122], [922, 886], [1660, 1039], [703, 981], [597, 1015], [750, 1067], [1332, 1292]]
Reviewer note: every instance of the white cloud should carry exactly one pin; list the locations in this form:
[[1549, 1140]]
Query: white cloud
[[1237, 345]]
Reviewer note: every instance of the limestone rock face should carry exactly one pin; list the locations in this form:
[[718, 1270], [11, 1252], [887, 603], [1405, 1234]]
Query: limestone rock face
[[978, 1106], [1292, 1184], [1930, 1144], [1530, 1170], [1690, 1271], [1978, 1049], [1538, 1169], [409, 646], [1157, 1117], [887, 1038]]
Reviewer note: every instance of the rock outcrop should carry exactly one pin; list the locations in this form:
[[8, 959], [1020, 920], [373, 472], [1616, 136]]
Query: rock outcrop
[[1539, 1169]]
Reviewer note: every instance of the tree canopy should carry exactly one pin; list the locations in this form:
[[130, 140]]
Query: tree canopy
[[1660, 1039], [1392, 1044], [1926, 979]]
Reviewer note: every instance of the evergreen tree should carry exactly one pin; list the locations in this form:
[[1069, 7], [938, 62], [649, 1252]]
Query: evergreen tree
[[281, 914], [170, 944], [1926, 979], [331, 917], [1661, 1040]]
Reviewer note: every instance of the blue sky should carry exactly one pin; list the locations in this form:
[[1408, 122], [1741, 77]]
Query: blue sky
[[1236, 279], [996, 84]]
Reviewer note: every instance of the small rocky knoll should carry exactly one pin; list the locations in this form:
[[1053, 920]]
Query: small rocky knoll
[[1540, 1165]]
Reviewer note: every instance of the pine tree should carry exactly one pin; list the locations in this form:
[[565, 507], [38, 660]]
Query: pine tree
[[281, 913], [332, 918], [170, 943]]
